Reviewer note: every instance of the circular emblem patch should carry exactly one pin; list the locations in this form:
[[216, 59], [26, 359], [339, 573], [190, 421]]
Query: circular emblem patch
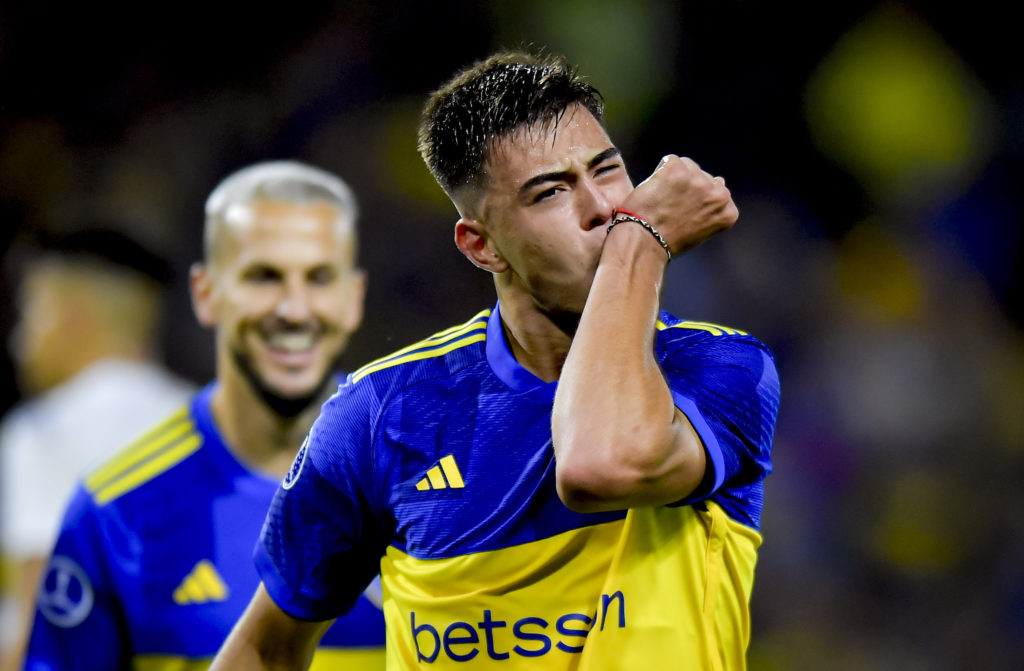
[[66, 596], [296, 470]]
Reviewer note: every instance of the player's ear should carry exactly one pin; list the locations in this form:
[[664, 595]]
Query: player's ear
[[201, 286], [473, 241]]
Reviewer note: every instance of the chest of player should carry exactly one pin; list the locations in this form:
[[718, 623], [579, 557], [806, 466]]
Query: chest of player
[[184, 573], [479, 478]]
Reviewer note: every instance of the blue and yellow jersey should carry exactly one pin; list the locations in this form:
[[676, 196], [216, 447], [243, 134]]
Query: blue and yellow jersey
[[153, 565], [434, 466]]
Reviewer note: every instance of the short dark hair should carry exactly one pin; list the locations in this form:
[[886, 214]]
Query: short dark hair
[[491, 99], [98, 242]]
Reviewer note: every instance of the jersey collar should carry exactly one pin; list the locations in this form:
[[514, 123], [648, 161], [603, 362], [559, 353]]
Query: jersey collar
[[504, 364]]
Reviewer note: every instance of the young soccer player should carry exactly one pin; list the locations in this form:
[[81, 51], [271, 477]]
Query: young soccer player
[[569, 480]]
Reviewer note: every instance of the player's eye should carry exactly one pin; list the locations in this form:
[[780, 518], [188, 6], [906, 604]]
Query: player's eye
[[545, 194], [261, 274], [322, 275]]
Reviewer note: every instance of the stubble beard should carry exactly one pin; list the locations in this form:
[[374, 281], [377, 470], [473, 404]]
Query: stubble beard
[[287, 407]]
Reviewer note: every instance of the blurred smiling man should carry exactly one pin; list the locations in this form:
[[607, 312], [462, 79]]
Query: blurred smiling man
[[283, 346], [154, 563]]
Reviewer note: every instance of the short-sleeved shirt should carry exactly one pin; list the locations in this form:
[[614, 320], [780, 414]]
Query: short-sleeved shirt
[[435, 466], [153, 565]]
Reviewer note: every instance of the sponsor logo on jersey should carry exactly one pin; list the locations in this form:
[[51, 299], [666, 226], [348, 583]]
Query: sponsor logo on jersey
[[444, 475], [66, 595], [202, 585], [499, 639], [292, 476]]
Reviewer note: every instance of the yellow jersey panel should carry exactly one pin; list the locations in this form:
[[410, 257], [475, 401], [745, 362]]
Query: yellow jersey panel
[[687, 573], [673, 583]]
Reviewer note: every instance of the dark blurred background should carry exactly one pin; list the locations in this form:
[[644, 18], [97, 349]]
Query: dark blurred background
[[875, 150]]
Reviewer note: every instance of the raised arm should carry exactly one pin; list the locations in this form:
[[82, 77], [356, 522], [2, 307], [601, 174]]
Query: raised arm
[[267, 637], [619, 440]]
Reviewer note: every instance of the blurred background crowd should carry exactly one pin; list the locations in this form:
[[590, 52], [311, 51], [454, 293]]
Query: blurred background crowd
[[875, 150]]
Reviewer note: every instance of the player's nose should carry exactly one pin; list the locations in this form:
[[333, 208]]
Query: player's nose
[[294, 305], [597, 206]]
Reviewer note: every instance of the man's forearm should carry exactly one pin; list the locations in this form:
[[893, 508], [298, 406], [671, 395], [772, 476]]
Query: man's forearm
[[618, 438], [268, 638]]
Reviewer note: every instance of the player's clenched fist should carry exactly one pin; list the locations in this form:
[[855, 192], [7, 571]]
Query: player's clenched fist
[[684, 203]]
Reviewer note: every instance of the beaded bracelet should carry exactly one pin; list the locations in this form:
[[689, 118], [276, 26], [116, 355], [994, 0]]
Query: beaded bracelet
[[620, 216]]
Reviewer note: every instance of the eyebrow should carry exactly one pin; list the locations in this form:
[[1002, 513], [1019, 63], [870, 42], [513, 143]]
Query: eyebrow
[[565, 175]]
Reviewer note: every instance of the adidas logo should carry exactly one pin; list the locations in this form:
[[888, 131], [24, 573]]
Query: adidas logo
[[442, 476], [202, 585]]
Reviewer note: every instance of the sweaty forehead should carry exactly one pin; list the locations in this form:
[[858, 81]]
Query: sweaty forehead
[[549, 147]]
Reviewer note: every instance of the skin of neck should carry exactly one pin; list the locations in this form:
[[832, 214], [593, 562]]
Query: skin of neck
[[256, 435], [538, 340]]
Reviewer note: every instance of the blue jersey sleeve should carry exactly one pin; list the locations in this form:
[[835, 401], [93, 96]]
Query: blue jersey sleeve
[[728, 388], [78, 624], [321, 543]]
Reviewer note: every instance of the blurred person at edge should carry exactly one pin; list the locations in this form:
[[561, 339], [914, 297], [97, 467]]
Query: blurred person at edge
[[571, 479], [84, 347], [154, 562]]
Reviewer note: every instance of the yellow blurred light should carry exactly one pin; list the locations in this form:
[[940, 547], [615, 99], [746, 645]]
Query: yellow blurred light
[[921, 531], [876, 279], [894, 104]]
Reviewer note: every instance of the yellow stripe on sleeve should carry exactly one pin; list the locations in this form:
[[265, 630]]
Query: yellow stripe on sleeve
[[700, 327], [447, 335], [132, 478], [713, 329], [458, 327], [154, 441], [725, 329], [422, 354]]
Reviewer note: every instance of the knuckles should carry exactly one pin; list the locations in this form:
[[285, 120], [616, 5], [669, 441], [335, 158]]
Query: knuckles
[[680, 184], [686, 173]]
